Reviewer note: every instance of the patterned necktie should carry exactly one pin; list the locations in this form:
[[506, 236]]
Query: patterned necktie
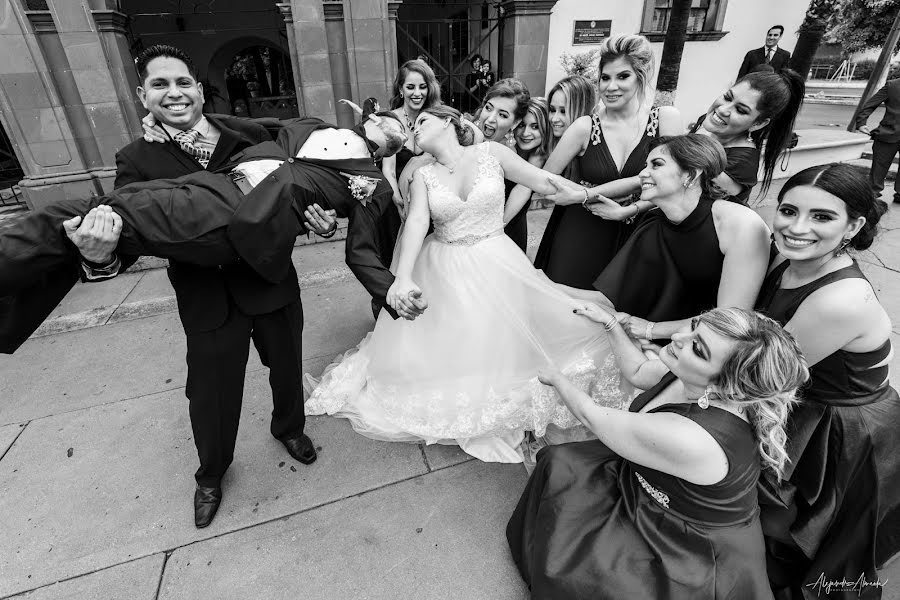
[[768, 56], [188, 142]]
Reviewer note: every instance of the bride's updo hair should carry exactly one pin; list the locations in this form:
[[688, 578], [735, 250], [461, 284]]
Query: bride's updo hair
[[464, 134], [762, 376], [699, 155]]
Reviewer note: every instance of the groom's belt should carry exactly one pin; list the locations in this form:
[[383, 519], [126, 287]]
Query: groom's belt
[[240, 181]]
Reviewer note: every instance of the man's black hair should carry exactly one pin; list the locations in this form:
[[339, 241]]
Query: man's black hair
[[778, 27], [162, 50]]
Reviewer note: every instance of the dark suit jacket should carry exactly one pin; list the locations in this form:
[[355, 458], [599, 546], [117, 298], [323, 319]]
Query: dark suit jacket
[[203, 292], [889, 128], [758, 56]]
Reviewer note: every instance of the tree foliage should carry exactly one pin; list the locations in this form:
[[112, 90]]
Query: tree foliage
[[811, 32], [861, 24]]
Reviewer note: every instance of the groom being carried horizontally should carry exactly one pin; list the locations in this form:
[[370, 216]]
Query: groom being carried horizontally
[[242, 226]]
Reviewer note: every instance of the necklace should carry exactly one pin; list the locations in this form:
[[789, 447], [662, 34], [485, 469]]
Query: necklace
[[409, 125], [450, 168]]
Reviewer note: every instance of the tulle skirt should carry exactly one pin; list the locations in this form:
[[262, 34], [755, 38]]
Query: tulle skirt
[[465, 371]]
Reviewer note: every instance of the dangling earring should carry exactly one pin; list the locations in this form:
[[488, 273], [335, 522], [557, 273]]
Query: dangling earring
[[510, 140], [686, 184], [842, 249], [703, 401]]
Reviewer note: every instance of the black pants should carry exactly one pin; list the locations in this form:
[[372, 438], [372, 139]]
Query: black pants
[[883, 154], [217, 361]]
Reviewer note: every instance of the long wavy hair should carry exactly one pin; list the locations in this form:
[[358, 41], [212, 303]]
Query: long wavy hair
[[762, 376], [420, 67], [580, 95], [537, 108]]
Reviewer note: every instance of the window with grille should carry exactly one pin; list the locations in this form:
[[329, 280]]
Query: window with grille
[[705, 18]]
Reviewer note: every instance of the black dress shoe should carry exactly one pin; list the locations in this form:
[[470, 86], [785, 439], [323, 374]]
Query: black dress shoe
[[206, 503], [301, 448]]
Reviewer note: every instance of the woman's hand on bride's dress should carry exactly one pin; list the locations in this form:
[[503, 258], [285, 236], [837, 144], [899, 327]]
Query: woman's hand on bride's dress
[[597, 314], [152, 133], [550, 376]]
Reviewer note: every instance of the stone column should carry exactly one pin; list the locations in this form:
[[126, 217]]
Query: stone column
[[60, 102], [340, 68], [371, 49], [310, 59], [526, 33]]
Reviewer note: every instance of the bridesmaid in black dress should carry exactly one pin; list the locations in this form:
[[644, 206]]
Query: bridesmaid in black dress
[[505, 105], [609, 148], [415, 88], [691, 255], [756, 112], [837, 511], [664, 503]]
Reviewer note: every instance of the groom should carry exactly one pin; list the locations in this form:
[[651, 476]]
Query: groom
[[215, 221]]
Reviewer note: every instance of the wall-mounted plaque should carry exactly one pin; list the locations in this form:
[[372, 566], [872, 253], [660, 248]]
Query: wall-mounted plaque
[[590, 32]]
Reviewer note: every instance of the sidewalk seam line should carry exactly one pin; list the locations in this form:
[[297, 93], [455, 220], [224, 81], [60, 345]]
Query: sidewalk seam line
[[15, 439], [162, 574]]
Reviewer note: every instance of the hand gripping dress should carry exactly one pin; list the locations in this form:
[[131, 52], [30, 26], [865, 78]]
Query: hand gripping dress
[[593, 526], [465, 371]]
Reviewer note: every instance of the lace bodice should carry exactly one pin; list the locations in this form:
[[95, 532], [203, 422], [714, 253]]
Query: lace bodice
[[480, 215]]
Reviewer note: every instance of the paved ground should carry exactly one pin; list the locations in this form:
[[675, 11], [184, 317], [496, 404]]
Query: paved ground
[[96, 464]]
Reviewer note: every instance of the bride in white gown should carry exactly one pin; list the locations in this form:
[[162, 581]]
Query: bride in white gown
[[465, 371]]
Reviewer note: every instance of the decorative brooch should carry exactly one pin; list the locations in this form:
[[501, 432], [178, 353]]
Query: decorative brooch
[[361, 187]]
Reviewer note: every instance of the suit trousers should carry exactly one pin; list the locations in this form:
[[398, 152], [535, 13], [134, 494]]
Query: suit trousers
[[217, 361], [883, 154]]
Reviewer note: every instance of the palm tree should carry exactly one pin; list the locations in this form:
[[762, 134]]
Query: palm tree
[[673, 47], [811, 32]]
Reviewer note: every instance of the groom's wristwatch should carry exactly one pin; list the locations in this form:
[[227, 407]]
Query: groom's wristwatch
[[99, 271]]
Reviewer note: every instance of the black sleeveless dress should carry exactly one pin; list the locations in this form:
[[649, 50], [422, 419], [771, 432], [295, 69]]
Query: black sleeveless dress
[[389, 223], [667, 271], [742, 167], [517, 228], [591, 525], [838, 510], [577, 245]]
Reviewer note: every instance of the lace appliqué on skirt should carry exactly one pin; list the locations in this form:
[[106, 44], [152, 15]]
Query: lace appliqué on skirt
[[452, 415]]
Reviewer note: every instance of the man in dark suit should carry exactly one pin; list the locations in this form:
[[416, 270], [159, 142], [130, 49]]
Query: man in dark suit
[[770, 54], [885, 137], [221, 308]]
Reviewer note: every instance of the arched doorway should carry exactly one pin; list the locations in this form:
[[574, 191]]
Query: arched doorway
[[260, 83]]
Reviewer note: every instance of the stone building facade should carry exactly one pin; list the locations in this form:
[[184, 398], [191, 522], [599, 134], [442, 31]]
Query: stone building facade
[[67, 80]]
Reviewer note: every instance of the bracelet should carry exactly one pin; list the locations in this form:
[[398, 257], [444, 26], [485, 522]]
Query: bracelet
[[329, 234], [586, 197], [637, 211], [611, 324], [648, 335]]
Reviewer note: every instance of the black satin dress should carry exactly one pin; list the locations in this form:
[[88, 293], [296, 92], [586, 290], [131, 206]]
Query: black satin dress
[[838, 510], [742, 167], [591, 525], [577, 245], [667, 271], [389, 224], [517, 228]]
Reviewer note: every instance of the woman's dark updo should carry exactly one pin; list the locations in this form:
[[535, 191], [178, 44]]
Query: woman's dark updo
[[851, 185], [464, 134], [698, 154]]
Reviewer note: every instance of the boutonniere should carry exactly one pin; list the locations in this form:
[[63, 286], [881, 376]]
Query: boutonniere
[[361, 187]]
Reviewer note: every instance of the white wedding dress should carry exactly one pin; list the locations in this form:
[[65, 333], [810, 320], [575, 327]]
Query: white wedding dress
[[465, 371]]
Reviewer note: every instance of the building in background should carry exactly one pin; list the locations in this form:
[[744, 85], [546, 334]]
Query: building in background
[[67, 80]]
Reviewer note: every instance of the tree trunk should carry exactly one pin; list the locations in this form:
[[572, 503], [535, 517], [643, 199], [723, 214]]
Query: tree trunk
[[811, 32], [807, 43], [673, 47]]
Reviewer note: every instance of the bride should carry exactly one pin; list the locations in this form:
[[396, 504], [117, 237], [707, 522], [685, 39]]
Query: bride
[[465, 371]]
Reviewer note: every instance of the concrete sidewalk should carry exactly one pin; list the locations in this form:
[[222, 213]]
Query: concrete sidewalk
[[97, 461]]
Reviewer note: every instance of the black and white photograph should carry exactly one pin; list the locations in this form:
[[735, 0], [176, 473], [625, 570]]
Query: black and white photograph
[[449, 299]]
